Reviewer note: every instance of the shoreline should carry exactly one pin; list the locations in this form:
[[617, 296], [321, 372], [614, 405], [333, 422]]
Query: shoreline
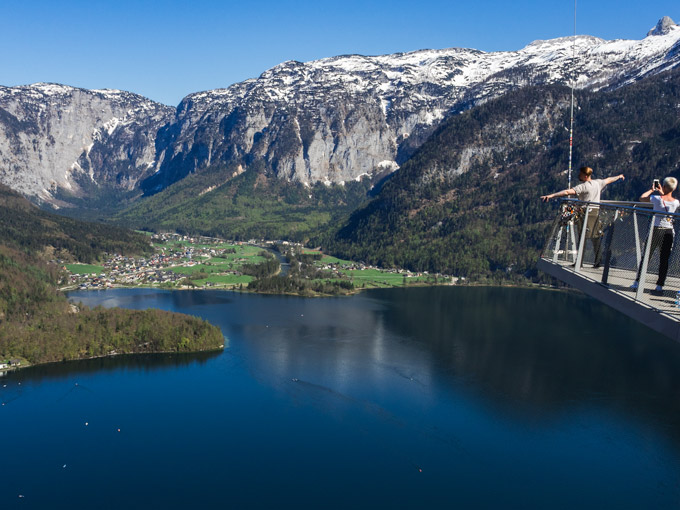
[[5, 371], [356, 290], [26, 364]]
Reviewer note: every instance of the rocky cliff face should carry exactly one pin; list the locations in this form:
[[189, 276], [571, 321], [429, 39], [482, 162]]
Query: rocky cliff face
[[339, 118], [57, 137], [663, 27], [330, 120]]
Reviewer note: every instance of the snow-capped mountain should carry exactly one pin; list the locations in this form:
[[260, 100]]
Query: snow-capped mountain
[[53, 136], [338, 118], [329, 120]]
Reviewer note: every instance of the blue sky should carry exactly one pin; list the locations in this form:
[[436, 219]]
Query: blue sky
[[166, 50]]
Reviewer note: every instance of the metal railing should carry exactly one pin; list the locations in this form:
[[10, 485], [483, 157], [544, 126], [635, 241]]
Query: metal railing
[[615, 243]]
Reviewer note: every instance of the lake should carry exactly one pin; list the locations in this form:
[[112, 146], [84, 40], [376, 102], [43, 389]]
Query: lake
[[406, 398]]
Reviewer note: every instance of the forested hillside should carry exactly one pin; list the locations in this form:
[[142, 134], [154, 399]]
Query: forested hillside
[[36, 231], [256, 204], [38, 324], [468, 203]]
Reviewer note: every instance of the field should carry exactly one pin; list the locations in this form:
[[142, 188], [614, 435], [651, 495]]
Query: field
[[371, 277], [85, 269], [217, 264], [222, 269], [225, 280]]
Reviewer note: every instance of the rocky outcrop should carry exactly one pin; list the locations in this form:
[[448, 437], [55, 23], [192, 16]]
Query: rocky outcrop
[[53, 137], [663, 27]]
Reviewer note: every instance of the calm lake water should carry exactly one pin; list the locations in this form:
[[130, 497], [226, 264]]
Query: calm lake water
[[405, 398]]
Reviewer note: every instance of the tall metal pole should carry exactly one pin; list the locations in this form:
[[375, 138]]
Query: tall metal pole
[[573, 82], [570, 225]]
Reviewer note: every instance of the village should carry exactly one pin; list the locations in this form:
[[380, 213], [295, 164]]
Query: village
[[186, 262], [175, 259]]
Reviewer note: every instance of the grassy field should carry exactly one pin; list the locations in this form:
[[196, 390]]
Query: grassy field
[[225, 280], [84, 269], [327, 259], [178, 245], [198, 268], [371, 278], [224, 263], [216, 267], [251, 253]]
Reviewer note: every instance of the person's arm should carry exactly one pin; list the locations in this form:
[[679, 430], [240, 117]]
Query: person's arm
[[645, 196], [563, 193], [613, 178]]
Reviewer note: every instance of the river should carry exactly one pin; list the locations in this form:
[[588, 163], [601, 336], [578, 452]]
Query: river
[[406, 398]]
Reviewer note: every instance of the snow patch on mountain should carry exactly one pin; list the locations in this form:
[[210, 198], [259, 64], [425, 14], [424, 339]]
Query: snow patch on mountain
[[52, 134], [330, 120], [334, 119]]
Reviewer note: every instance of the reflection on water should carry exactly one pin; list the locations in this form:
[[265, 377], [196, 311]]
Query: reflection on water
[[150, 298], [545, 349], [422, 397], [529, 351], [147, 362]]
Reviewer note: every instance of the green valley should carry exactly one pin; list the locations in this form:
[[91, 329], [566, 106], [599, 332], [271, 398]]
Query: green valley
[[222, 202], [184, 262]]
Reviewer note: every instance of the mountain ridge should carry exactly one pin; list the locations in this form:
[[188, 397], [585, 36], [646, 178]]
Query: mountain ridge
[[488, 221], [331, 120]]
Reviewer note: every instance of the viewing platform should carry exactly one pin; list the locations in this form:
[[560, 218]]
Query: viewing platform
[[622, 232]]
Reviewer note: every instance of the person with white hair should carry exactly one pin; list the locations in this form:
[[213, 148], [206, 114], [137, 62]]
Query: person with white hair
[[661, 197]]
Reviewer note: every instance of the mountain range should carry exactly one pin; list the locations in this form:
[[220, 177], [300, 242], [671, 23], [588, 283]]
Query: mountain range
[[331, 121], [292, 152]]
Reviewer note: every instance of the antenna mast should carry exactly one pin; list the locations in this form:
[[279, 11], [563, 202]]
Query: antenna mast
[[573, 82]]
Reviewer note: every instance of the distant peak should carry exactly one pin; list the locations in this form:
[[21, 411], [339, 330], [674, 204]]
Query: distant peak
[[665, 25]]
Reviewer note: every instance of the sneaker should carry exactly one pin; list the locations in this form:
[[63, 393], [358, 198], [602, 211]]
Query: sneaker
[[658, 288], [635, 285]]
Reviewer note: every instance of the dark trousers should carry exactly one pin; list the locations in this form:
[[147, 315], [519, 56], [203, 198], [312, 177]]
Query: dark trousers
[[597, 251], [661, 237]]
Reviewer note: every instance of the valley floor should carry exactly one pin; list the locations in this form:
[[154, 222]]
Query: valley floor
[[183, 262]]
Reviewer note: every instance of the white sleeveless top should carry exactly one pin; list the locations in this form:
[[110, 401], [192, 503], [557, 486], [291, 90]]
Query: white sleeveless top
[[661, 206]]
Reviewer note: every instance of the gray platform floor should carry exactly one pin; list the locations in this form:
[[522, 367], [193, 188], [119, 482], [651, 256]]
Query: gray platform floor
[[619, 282]]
